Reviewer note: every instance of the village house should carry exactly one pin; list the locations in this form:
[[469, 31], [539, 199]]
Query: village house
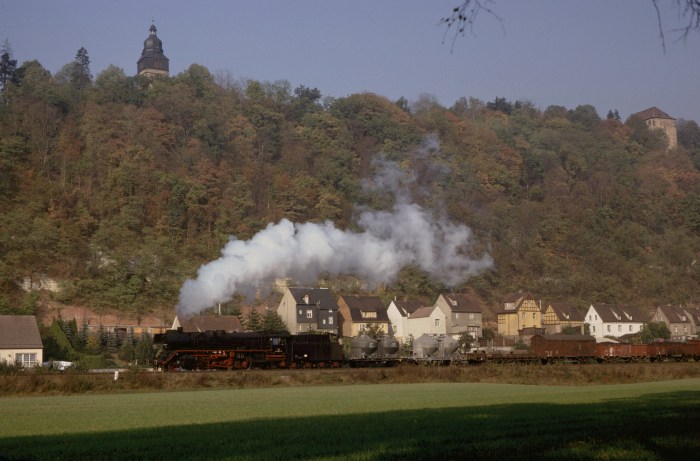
[[199, 323], [428, 320], [398, 313], [608, 320], [678, 321], [20, 341], [521, 313], [358, 313], [308, 309], [558, 316], [463, 314]]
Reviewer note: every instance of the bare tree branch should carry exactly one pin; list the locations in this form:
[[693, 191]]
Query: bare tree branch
[[463, 16]]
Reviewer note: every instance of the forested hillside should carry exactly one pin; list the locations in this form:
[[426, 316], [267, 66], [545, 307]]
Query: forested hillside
[[121, 187]]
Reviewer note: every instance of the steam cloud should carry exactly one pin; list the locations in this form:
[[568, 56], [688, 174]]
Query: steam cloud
[[389, 241]]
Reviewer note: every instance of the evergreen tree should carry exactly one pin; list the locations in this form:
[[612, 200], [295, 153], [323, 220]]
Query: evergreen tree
[[254, 321], [81, 76], [143, 352], [271, 321], [126, 352], [8, 67]]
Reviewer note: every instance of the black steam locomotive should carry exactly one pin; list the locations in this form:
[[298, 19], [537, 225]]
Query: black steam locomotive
[[218, 350]]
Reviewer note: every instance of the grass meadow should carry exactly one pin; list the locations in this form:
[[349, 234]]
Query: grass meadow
[[642, 421]]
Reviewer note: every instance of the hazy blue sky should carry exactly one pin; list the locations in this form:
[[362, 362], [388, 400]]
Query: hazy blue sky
[[601, 52]]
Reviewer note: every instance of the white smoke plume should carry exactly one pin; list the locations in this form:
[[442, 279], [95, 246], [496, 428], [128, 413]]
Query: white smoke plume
[[388, 241]]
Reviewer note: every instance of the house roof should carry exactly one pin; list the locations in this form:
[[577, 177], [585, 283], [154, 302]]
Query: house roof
[[197, 323], [518, 298], [422, 312], [613, 313], [464, 302], [675, 314], [359, 304], [694, 313], [652, 112], [568, 312], [19, 332], [321, 297], [408, 307]]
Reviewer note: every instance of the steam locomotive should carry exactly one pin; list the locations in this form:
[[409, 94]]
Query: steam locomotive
[[218, 350]]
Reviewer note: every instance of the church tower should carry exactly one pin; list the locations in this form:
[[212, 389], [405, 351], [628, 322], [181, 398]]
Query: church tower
[[153, 62]]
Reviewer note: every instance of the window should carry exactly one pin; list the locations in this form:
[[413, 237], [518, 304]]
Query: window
[[685, 329], [368, 315], [619, 328], [471, 316], [592, 329], [299, 311], [324, 321], [608, 328], [309, 314], [630, 327], [330, 320], [25, 359], [675, 329], [437, 322], [363, 327]]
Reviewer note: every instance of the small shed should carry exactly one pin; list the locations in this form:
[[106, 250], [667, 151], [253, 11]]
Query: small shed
[[20, 341]]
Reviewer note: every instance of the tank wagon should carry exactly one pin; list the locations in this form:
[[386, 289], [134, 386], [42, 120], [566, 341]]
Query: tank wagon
[[435, 349], [366, 351]]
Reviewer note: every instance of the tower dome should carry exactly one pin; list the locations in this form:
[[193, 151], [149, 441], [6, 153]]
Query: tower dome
[[153, 62]]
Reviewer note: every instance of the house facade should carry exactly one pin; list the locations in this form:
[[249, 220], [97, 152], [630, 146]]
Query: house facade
[[309, 309], [20, 341], [678, 320], [428, 320], [358, 313], [520, 311], [398, 313], [613, 320], [558, 316], [463, 314]]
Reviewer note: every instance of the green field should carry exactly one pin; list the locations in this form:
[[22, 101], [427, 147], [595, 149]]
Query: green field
[[645, 421]]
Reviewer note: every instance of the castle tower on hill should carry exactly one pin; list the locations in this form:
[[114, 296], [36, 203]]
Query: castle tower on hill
[[656, 119], [153, 62]]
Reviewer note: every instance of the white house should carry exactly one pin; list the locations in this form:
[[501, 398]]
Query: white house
[[20, 342], [430, 320], [613, 320], [398, 312]]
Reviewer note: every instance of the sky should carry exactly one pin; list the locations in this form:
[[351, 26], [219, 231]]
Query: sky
[[606, 53]]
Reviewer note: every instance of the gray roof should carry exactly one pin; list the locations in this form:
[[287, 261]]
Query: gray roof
[[569, 312], [321, 297], [615, 313], [358, 304], [408, 307], [422, 312], [675, 314], [19, 332], [464, 302]]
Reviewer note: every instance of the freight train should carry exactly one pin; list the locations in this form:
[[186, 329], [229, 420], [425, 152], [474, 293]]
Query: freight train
[[218, 350]]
